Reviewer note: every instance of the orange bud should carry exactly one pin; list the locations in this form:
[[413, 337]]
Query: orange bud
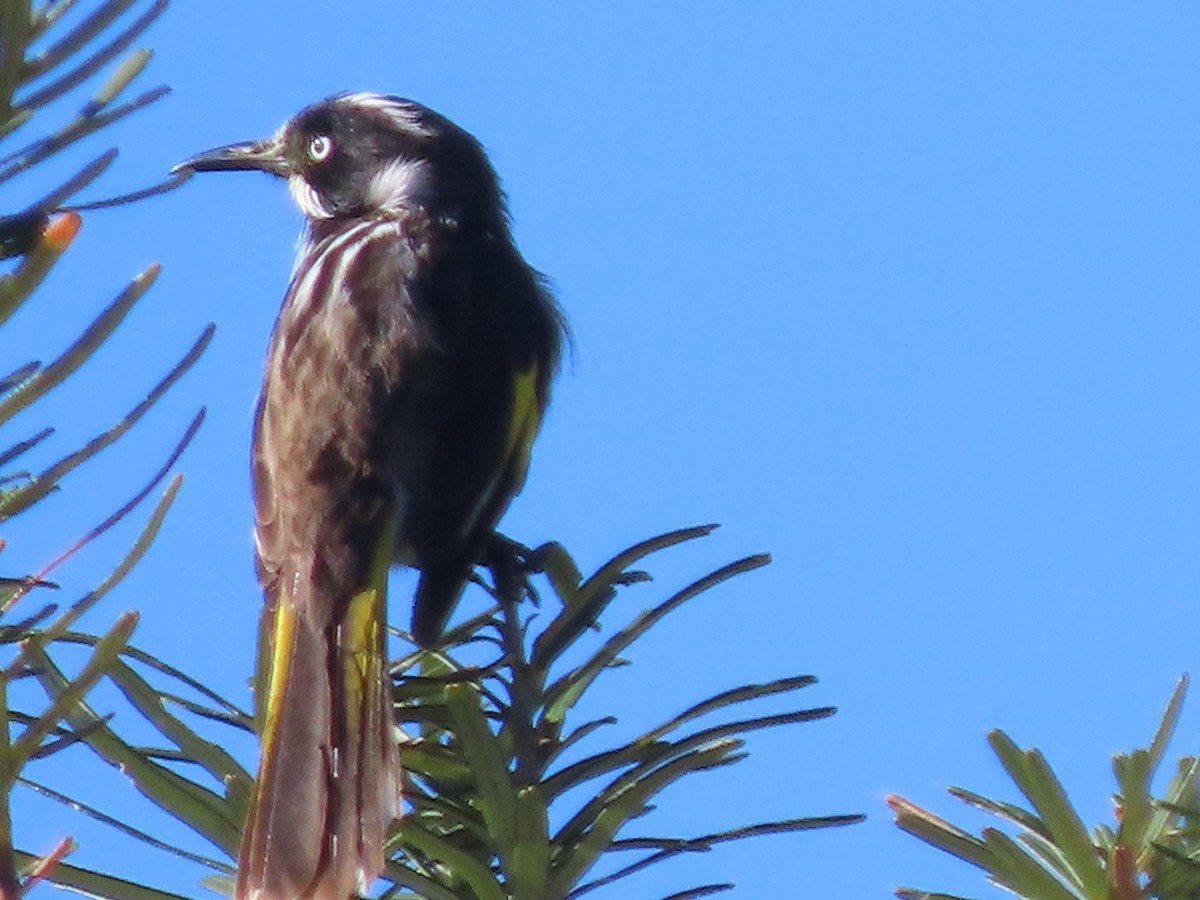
[[60, 232]]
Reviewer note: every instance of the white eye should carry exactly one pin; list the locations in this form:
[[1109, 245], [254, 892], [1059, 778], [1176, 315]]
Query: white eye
[[319, 147]]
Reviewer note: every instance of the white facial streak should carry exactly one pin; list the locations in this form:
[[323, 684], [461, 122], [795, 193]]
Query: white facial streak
[[397, 185], [404, 115]]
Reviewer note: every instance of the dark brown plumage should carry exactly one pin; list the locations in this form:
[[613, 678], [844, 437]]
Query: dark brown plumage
[[405, 381]]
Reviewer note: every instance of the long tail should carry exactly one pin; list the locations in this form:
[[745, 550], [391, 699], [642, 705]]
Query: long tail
[[328, 781]]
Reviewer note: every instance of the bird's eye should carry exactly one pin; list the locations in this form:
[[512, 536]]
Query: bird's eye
[[319, 147]]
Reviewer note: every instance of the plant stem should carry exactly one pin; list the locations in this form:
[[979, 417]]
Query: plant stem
[[10, 885]]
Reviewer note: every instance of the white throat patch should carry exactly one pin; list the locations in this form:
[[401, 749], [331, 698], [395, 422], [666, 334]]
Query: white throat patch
[[307, 199]]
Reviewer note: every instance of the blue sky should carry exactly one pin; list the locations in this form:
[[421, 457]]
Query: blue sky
[[905, 294]]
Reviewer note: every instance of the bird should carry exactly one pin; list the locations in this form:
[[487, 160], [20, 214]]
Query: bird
[[406, 377]]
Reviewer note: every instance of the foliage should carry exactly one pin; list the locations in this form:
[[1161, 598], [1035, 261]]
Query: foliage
[[42, 62], [1153, 851], [492, 755]]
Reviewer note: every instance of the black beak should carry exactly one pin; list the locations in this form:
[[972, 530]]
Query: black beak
[[263, 156]]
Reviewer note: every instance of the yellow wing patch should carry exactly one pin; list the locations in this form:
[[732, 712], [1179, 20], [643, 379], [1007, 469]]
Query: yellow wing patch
[[518, 444], [282, 637], [525, 419], [362, 630]]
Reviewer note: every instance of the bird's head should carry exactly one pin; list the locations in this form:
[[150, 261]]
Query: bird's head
[[357, 154]]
